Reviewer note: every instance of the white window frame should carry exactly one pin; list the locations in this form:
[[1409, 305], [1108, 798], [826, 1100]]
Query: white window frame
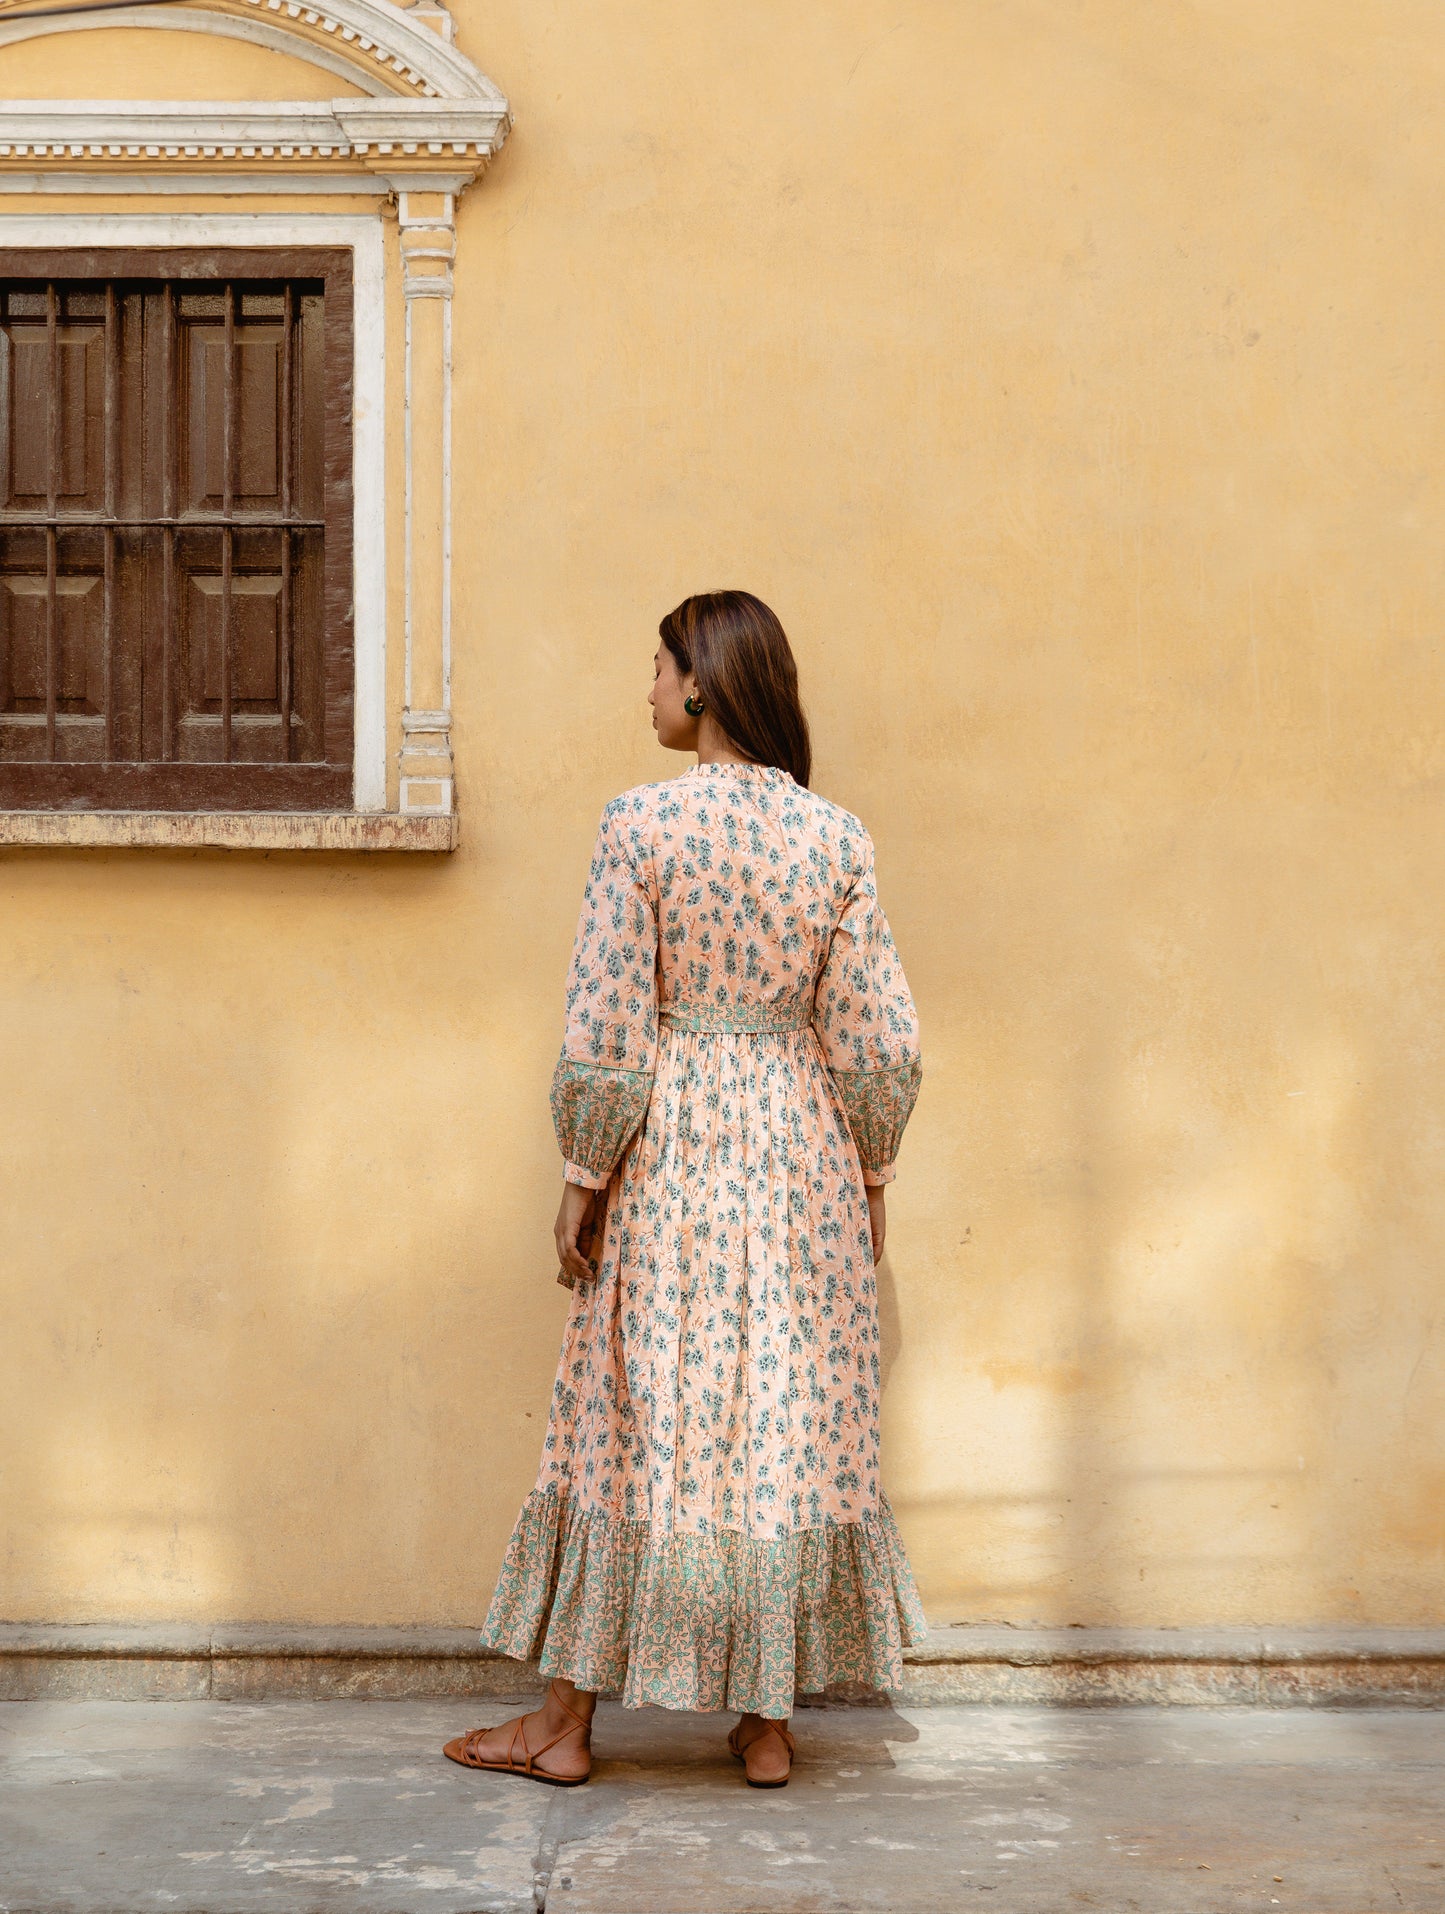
[[368, 423]]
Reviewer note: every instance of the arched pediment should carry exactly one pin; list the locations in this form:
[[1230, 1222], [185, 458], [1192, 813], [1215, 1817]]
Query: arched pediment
[[182, 58], [424, 105]]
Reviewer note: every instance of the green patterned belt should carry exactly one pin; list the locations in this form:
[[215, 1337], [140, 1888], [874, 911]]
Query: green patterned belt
[[738, 1017]]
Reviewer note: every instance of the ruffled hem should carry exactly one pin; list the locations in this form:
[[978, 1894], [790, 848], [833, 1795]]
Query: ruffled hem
[[704, 1622]]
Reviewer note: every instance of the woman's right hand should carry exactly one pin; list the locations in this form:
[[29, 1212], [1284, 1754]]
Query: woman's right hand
[[573, 1231]]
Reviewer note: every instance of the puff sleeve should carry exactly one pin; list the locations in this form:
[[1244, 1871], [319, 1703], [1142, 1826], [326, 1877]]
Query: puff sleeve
[[865, 1019], [603, 1078]]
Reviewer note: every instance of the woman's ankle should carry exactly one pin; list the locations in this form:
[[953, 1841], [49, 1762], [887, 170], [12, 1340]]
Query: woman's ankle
[[580, 1701]]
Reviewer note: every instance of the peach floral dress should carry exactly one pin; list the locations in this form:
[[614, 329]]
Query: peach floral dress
[[708, 1529]]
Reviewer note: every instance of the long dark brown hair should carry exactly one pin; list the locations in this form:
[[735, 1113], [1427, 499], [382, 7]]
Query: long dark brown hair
[[739, 653]]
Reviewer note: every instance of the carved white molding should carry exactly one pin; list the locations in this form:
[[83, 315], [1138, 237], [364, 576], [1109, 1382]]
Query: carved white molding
[[367, 34], [370, 130], [424, 104], [427, 227]]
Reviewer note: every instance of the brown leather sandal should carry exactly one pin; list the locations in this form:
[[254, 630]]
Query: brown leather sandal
[[742, 1753], [464, 1749]]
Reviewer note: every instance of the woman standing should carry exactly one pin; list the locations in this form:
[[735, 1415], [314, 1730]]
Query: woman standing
[[708, 1530]]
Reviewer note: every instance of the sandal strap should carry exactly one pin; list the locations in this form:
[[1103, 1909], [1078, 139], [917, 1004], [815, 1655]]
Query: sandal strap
[[471, 1740], [779, 1728], [583, 1721], [530, 1755]]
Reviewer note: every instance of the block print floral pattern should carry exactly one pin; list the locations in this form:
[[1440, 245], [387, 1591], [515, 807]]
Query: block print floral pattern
[[708, 1527]]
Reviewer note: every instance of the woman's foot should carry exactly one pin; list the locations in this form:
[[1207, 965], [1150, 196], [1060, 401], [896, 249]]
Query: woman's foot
[[553, 1744], [765, 1748]]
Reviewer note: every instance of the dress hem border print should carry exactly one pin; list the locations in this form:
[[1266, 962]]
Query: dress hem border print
[[704, 1621]]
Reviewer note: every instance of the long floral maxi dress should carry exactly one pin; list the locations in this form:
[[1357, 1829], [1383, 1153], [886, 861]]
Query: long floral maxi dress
[[741, 1054]]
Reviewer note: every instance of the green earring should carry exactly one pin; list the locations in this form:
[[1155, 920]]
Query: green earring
[[692, 710]]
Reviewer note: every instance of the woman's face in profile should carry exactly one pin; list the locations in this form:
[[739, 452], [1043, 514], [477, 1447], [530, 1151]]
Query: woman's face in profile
[[676, 730]]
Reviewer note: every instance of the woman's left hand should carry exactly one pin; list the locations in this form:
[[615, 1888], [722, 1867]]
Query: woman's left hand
[[877, 1216], [573, 1231]]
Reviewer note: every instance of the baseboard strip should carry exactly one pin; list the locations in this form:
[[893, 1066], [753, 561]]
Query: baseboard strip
[[1302, 1667]]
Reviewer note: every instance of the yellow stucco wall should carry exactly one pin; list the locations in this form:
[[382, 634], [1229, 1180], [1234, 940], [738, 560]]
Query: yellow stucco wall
[[1068, 376]]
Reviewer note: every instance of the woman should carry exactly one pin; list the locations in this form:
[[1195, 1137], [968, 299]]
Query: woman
[[741, 1055]]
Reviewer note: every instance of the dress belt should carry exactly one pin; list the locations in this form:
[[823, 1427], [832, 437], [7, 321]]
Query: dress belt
[[755, 1018]]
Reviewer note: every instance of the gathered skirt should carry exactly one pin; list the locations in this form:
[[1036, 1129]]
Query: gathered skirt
[[708, 1529]]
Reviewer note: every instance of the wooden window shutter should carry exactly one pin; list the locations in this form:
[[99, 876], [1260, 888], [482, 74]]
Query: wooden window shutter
[[175, 530]]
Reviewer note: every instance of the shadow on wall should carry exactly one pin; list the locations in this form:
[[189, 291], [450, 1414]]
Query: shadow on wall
[[1187, 1368]]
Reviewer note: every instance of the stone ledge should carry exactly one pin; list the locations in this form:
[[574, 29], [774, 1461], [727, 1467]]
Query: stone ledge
[[229, 830], [1321, 1667], [1023, 1647]]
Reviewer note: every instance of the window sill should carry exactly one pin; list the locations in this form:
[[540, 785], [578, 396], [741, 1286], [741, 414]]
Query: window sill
[[230, 830]]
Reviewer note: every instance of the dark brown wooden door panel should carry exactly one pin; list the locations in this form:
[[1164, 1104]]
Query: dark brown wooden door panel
[[75, 358], [170, 787], [175, 529]]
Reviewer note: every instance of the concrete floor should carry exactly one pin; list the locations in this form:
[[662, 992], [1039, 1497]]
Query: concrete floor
[[235, 1808]]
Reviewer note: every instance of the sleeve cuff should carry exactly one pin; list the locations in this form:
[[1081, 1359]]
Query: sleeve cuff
[[875, 1178], [587, 1179]]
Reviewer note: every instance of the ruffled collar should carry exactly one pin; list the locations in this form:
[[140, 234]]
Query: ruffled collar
[[773, 772]]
